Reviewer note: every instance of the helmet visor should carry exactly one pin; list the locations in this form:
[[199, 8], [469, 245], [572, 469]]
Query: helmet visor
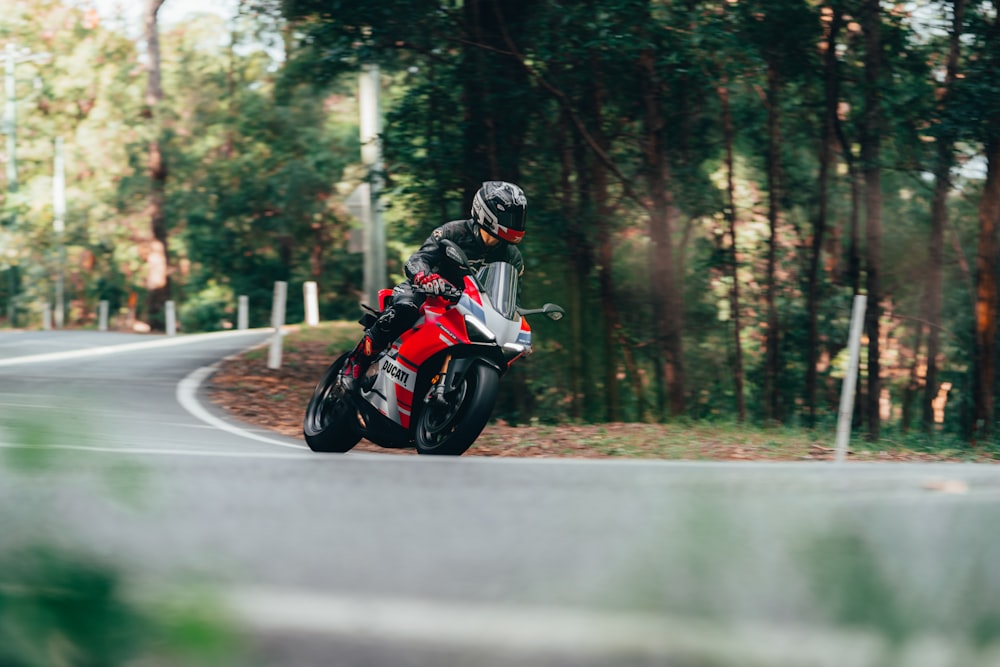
[[510, 235], [510, 225]]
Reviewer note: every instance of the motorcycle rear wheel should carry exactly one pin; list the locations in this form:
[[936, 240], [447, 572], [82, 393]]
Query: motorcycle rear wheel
[[329, 424], [449, 430]]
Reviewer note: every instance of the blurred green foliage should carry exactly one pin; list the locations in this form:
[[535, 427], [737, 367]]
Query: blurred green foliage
[[62, 606], [58, 610]]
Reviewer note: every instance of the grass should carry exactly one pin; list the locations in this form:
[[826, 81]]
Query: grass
[[340, 333]]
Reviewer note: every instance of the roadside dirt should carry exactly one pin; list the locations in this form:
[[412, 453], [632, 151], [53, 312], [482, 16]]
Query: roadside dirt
[[276, 399]]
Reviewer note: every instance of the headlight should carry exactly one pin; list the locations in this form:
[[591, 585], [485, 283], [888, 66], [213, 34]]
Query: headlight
[[478, 332], [513, 350]]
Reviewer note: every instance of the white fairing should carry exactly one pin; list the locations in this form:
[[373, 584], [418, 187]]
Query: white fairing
[[383, 394], [498, 283]]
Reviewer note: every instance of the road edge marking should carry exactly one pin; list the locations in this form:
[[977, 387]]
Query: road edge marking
[[124, 347], [187, 396]]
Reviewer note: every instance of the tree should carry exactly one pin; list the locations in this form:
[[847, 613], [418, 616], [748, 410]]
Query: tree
[[944, 161], [833, 20], [872, 169], [985, 67], [157, 260]]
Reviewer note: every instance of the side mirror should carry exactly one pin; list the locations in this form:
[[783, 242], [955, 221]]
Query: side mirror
[[553, 312], [453, 252]]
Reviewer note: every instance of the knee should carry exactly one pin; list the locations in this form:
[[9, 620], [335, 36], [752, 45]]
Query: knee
[[406, 307], [396, 318]]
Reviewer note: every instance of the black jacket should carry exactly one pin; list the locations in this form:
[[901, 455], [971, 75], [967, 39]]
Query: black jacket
[[430, 258]]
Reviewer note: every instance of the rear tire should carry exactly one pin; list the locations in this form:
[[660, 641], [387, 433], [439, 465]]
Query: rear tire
[[329, 424], [450, 430]]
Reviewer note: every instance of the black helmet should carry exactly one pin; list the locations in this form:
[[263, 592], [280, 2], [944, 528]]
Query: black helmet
[[499, 207]]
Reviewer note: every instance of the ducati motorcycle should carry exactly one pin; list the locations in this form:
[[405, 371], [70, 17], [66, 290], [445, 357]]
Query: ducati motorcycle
[[435, 386]]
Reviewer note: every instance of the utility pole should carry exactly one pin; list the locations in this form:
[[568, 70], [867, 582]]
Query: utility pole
[[376, 275], [59, 226], [12, 58]]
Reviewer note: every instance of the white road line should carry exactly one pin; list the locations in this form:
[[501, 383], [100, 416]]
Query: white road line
[[187, 396], [125, 347], [158, 452]]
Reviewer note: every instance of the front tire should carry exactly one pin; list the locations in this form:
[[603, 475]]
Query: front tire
[[449, 430], [329, 424]]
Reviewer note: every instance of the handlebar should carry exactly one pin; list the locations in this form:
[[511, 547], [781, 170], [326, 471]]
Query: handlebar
[[451, 293]]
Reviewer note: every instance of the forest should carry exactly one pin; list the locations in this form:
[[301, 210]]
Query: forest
[[710, 183]]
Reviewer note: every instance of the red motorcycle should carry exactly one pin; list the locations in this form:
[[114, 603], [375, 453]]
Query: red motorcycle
[[435, 386]]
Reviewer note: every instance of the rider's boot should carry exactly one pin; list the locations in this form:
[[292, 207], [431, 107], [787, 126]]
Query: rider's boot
[[376, 339], [357, 363]]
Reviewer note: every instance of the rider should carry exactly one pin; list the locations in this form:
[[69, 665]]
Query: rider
[[490, 235]]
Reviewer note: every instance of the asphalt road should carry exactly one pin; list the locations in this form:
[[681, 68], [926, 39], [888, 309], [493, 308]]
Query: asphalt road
[[111, 454]]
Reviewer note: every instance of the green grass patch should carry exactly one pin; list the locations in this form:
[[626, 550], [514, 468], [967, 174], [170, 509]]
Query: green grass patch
[[339, 333]]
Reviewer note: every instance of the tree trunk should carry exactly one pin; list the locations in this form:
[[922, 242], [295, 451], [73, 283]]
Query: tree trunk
[[668, 300], [913, 382], [945, 159], [852, 274], [157, 261], [854, 243], [870, 156], [772, 362], [734, 292], [987, 260], [579, 266], [605, 250], [825, 159]]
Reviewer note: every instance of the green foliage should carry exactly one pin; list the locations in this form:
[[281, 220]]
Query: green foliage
[[58, 609], [65, 606], [208, 310]]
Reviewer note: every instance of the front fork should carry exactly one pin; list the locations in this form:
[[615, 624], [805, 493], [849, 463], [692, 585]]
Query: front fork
[[440, 382], [447, 380]]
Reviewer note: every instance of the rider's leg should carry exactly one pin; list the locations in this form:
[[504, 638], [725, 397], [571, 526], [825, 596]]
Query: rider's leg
[[394, 320]]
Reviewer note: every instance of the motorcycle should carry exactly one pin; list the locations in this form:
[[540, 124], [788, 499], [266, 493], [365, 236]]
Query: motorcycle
[[434, 387]]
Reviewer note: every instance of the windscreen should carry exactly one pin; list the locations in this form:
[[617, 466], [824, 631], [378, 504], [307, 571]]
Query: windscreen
[[499, 282]]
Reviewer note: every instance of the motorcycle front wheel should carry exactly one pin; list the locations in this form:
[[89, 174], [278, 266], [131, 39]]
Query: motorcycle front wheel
[[329, 424], [449, 430]]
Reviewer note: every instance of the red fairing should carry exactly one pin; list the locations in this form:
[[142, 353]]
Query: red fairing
[[442, 329], [471, 291], [445, 330]]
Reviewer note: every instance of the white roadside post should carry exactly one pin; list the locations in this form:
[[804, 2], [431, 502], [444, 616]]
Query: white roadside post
[[311, 296], [243, 313], [102, 316], [171, 319], [46, 317], [277, 321], [851, 378]]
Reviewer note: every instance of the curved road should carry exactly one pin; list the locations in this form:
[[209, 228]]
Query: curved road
[[112, 452]]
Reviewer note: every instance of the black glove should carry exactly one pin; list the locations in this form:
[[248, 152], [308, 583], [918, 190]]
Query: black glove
[[433, 283]]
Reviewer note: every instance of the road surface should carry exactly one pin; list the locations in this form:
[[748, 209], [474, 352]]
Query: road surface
[[111, 453]]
